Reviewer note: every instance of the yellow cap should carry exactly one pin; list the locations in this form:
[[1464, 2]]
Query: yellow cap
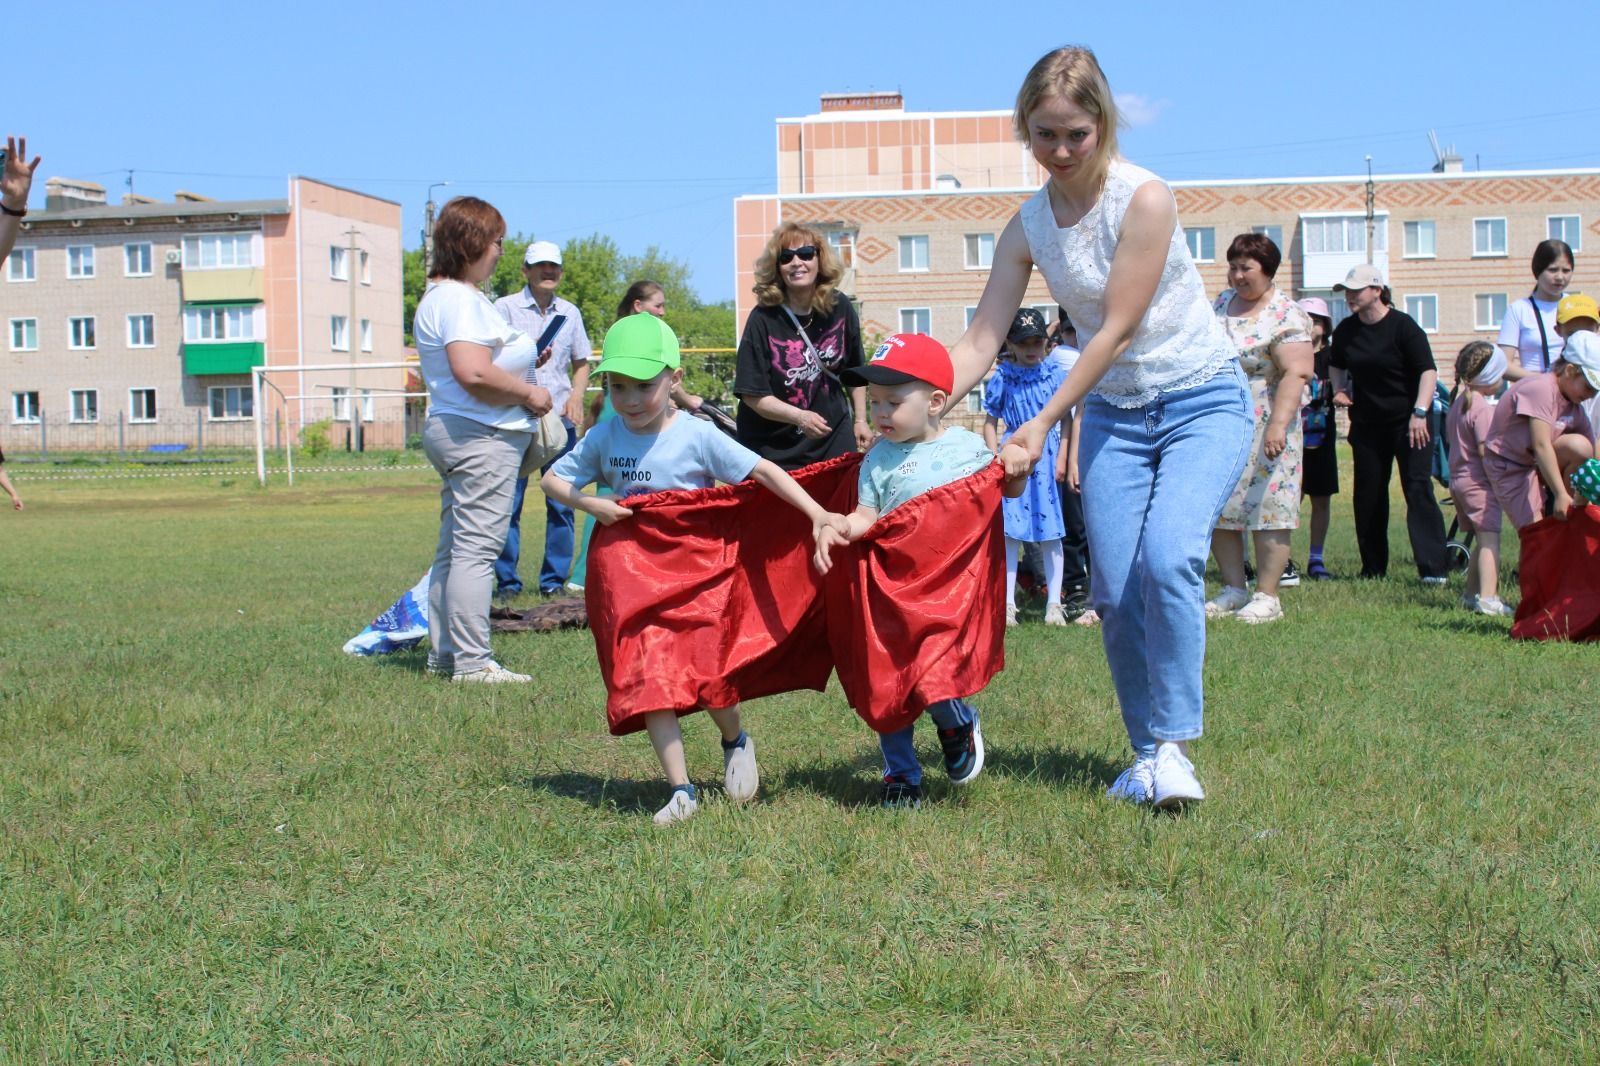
[[1577, 305]]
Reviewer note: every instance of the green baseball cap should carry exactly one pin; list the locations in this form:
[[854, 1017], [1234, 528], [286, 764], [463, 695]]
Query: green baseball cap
[[639, 347]]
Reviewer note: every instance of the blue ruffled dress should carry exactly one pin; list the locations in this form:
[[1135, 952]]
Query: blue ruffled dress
[[1013, 395]]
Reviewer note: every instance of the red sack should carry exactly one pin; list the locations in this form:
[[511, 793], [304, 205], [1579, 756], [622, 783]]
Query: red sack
[[916, 609], [687, 616], [1560, 574]]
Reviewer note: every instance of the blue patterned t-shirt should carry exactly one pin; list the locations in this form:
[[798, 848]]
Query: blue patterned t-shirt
[[893, 473]]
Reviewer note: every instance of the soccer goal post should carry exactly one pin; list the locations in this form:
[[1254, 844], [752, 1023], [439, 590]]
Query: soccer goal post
[[366, 397]]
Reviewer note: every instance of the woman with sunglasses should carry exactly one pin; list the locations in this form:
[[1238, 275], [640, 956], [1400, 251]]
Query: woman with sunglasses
[[793, 409]]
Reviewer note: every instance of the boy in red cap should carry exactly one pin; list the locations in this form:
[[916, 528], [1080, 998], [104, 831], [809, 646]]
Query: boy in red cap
[[908, 388]]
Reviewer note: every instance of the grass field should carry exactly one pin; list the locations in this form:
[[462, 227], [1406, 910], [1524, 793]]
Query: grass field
[[222, 840]]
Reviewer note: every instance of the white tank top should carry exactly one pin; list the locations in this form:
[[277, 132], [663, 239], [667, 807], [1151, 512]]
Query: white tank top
[[1179, 344]]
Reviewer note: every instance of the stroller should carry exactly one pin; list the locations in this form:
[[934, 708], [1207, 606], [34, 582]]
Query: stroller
[[1458, 543]]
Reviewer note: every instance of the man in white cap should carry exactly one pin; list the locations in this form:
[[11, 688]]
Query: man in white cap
[[563, 369]]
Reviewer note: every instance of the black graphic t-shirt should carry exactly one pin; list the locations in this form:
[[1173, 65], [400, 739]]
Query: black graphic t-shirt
[[773, 361]]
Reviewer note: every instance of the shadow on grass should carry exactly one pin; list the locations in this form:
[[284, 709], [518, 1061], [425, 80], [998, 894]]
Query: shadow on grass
[[611, 793], [854, 782], [1053, 766]]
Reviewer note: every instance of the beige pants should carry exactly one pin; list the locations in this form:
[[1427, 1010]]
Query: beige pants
[[479, 466]]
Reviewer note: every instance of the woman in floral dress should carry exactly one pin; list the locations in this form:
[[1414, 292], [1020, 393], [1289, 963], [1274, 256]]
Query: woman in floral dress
[[1274, 340]]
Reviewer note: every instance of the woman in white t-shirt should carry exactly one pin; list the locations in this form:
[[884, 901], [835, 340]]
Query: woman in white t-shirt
[[482, 410], [1528, 332]]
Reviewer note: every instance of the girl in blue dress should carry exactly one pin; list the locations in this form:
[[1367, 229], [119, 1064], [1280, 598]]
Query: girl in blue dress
[[1018, 391]]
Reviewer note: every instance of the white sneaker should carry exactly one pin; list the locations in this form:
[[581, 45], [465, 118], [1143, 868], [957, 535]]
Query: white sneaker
[[1261, 608], [1494, 606], [1434, 581], [1227, 601], [1011, 615], [493, 674], [1175, 783], [1137, 783], [678, 808], [1087, 618], [1054, 615], [739, 774]]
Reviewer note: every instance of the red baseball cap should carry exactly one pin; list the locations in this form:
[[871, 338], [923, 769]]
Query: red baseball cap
[[906, 357]]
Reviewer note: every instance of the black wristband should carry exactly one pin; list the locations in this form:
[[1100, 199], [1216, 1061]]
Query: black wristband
[[13, 213]]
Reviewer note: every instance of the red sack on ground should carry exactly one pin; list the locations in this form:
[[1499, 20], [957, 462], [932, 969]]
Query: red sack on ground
[[916, 608], [1560, 574], [708, 597]]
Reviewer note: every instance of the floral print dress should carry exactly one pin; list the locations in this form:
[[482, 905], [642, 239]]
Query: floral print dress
[[1268, 493]]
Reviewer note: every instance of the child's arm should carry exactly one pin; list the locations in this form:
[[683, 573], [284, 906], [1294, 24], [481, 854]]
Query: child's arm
[[991, 433], [1544, 459], [1064, 452], [789, 491], [851, 528], [605, 508]]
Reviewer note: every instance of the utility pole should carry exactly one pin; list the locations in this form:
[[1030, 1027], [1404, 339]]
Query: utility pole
[[352, 336], [427, 230], [1371, 217]]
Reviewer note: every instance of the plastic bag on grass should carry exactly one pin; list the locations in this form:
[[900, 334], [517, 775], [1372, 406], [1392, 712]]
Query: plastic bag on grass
[[400, 627]]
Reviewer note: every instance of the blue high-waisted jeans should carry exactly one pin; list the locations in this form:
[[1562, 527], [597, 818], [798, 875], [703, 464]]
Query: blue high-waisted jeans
[[1154, 481]]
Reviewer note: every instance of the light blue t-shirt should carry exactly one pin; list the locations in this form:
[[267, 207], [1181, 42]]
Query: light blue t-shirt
[[690, 453], [893, 473]]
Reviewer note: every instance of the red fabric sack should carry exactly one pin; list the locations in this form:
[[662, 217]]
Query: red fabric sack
[[708, 597], [1560, 575]]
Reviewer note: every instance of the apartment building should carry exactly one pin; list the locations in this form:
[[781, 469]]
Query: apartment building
[[137, 324], [914, 202]]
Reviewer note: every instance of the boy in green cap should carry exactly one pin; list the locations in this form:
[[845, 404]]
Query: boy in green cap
[[652, 447]]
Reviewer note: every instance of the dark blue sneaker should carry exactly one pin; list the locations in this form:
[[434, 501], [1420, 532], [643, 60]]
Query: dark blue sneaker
[[963, 752], [899, 792]]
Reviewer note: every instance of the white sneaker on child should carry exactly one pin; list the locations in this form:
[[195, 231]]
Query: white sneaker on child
[[1054, 615], [1175, 782], [1011, 614], [678, 808], [1227, 601], [739, 773], [1136, 784], [1493, 606]]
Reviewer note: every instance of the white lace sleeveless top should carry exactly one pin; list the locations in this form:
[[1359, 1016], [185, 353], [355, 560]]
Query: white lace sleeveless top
[[1178, 345]]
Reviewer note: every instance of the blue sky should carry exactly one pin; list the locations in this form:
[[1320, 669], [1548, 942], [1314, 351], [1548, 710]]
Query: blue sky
[[644, 121]]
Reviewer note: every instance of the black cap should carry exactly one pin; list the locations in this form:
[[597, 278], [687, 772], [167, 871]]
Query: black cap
[[1028, 323]]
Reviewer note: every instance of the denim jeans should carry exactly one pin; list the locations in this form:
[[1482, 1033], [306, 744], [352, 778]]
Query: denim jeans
[[1155, 479], [558, 524], [900, 755]]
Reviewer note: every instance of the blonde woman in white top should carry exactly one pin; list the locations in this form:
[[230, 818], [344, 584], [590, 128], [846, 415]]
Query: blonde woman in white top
[[1166, 424]]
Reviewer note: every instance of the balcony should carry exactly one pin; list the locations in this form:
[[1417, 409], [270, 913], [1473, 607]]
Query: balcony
[[238, 285], [222, 357]]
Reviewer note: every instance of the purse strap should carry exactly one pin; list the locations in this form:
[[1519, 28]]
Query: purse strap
[[1544, 339]]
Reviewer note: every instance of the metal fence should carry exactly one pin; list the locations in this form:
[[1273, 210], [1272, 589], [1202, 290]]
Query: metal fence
[[193, 434]]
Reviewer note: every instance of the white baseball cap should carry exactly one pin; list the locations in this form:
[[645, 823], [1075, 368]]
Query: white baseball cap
[[542, 252], [1582, 350]]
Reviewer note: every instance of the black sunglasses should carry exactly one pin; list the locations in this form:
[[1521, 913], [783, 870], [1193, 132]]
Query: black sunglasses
[[806, 252]]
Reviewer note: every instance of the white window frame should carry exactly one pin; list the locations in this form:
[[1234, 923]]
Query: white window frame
[[195, 244], [133, 415], [974, 242], [366, 334], [338, 262], [1479, 323], [11, 334], [85, 260], [1577, 231], [245, 318], [341, 404], [1049, 311], [1406, 230], [1272, 232], [910, 242], [366, 268], [74, 333], [924, 311], [92, 396], [1352, 234], [241, 394], [844, 246], [133, 341], [1432, 301], [21, 401], [339, 332], [148, 250], [1195, 235], [1505, 238], [21, 267]]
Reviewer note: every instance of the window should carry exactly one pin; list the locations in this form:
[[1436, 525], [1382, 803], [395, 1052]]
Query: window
[[1202, 242], [1567, 228], [202, 324], [25, 407], [338, 263], [20, 266], [916, 319], [1049, 311], [1271, 233], [341, 404], [1344, 233], [1488, 310], [137, 260], [80, 260], [85, 405], [219, 251], [339, 333], [229, 402], [141, 331], [1425, 309], [24, 334], [969, 312], [913, 253], [844, 245], [366, 334], [979, 251], [141, 405], [366, 269], [1421, 240], [1488, 236], [80, 332]]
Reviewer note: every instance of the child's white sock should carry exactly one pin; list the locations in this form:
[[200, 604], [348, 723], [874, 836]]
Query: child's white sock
[[1011, 572]]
